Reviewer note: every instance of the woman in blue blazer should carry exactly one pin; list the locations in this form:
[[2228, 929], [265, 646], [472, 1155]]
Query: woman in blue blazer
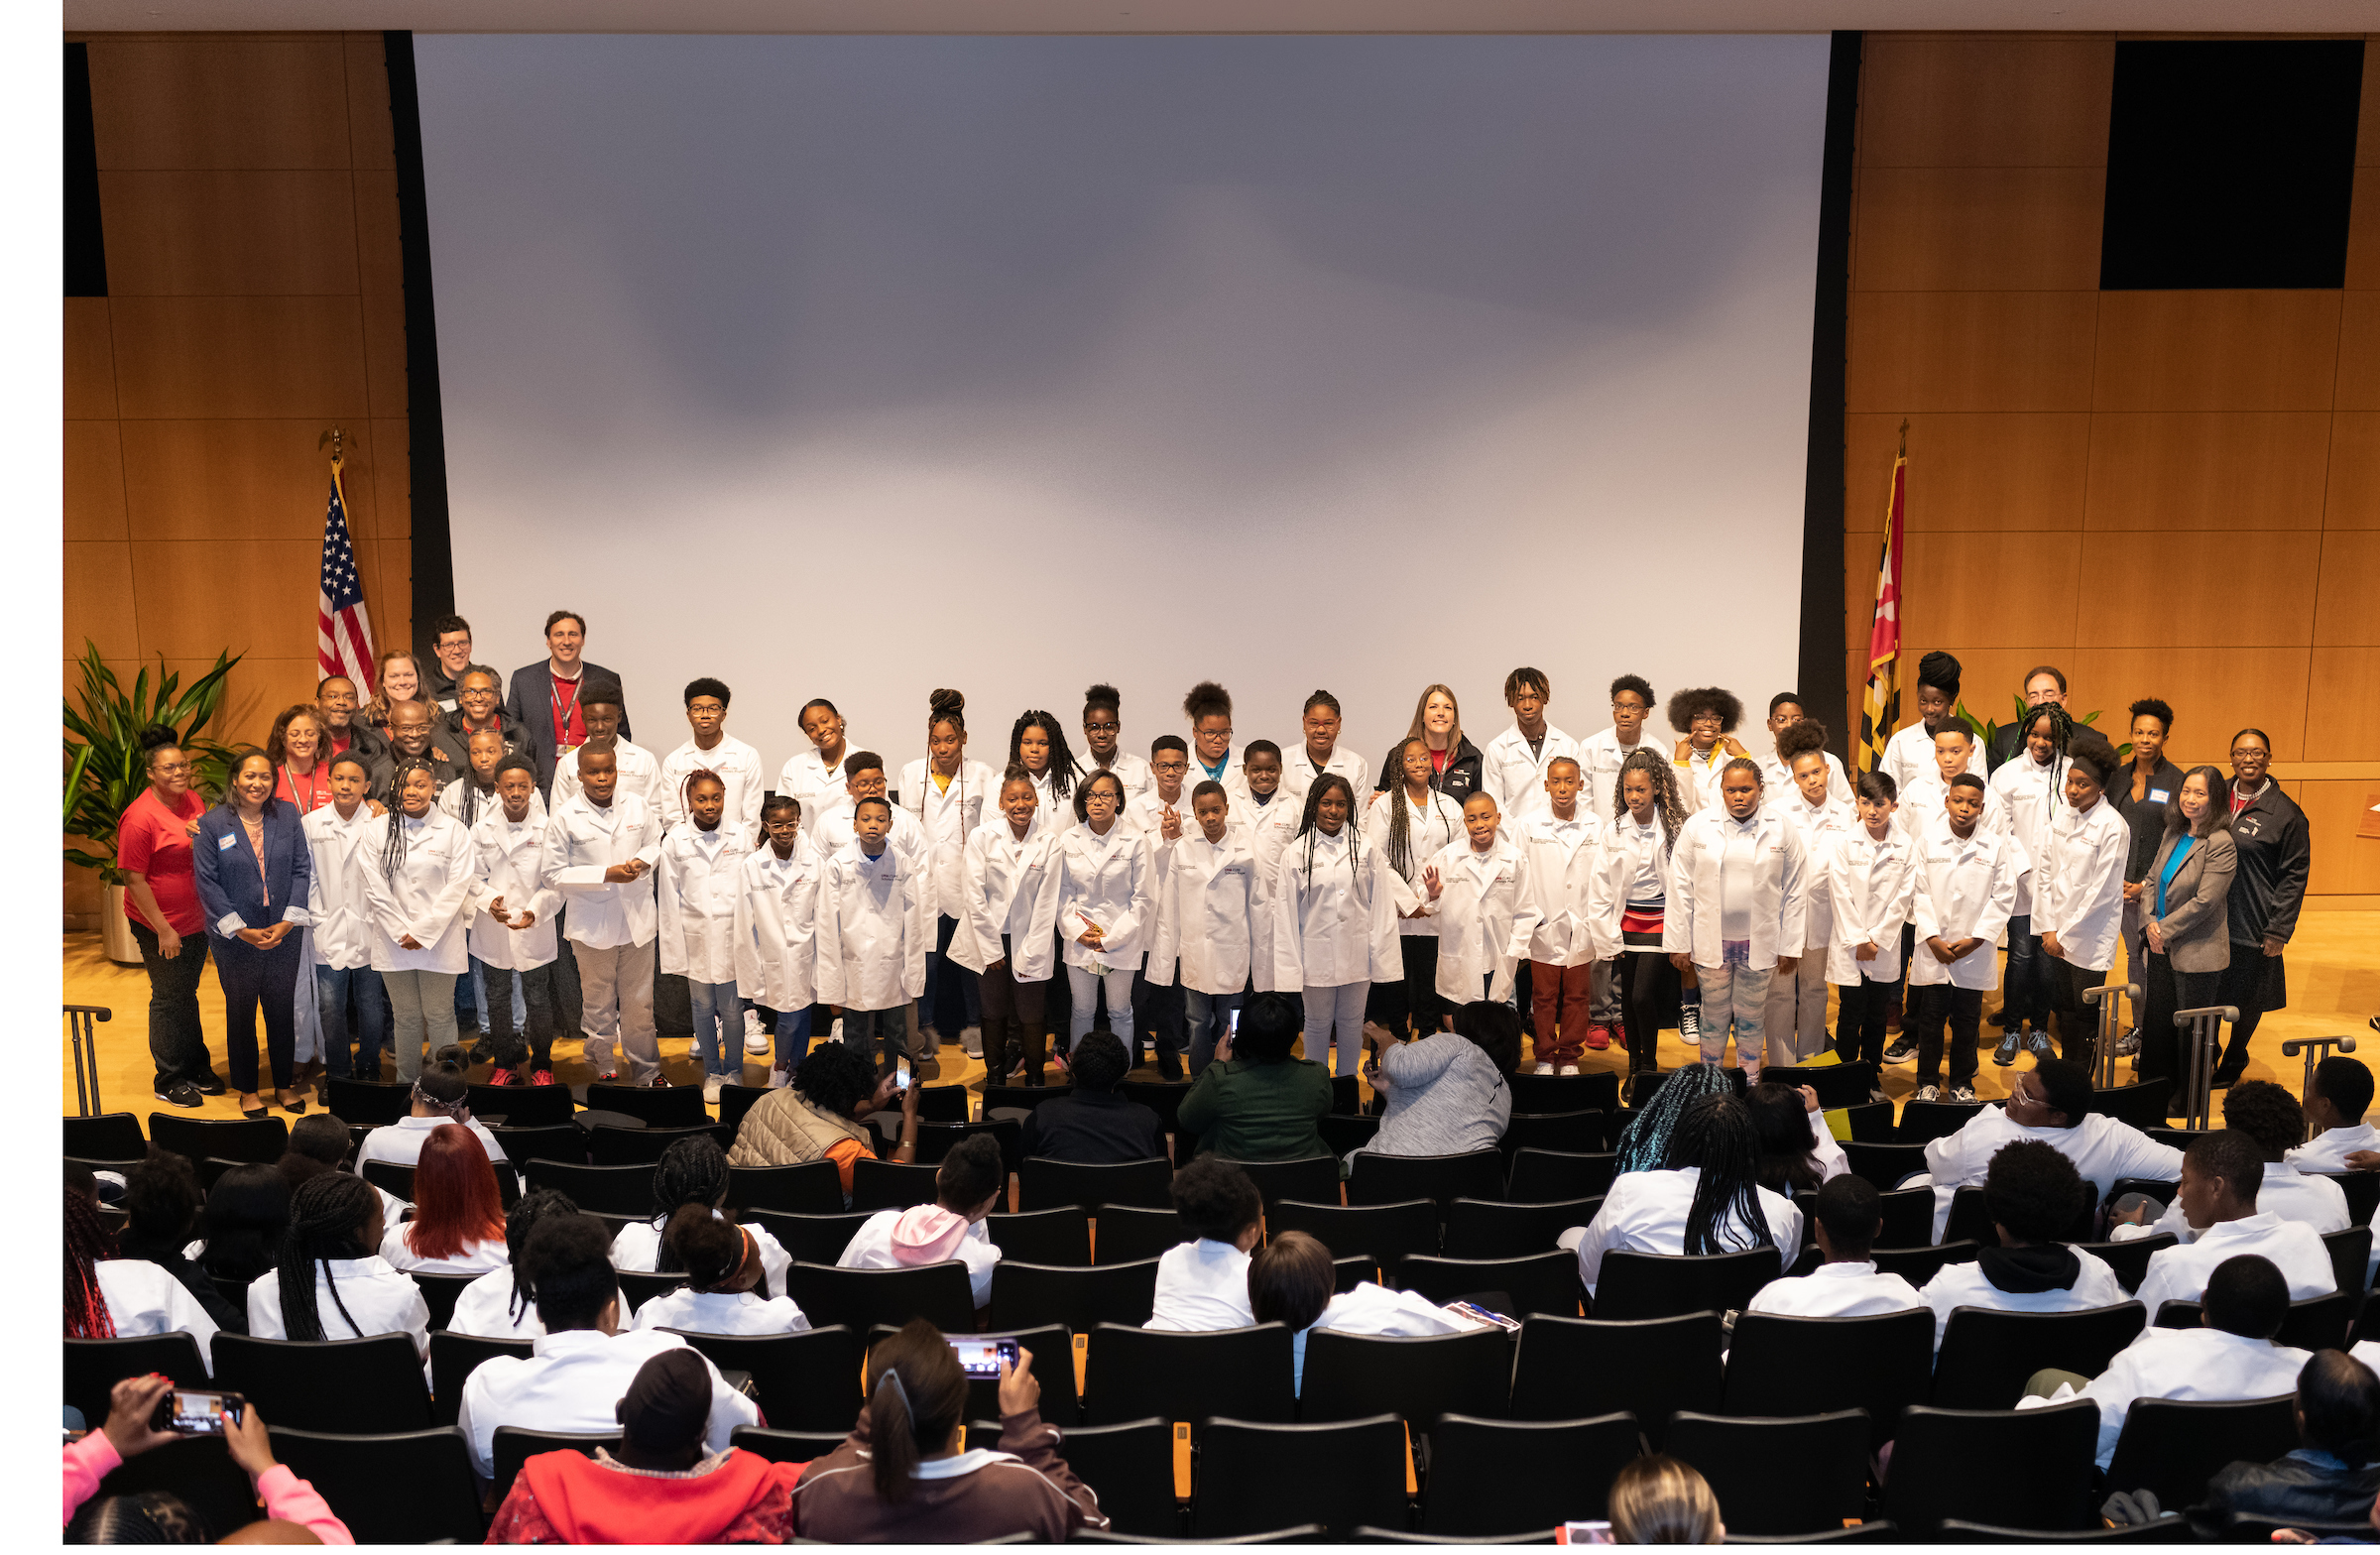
[[254, 884]]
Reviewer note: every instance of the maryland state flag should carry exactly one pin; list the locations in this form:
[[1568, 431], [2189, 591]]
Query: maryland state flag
[[1880, 710]]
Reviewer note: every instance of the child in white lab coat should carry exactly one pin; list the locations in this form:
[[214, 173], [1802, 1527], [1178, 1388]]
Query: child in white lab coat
[[2029, 786], [1206, 920], [601, 845], [815, 777], [776, 913], [419, 891], [697, 881], [874, 922], [1630, 899], [1796, 1020], [711, 748], [1737, 912], [1705, 718], [1518, 761], [1037, 743], [1776, 774], [1479, 894], [1321, 753], [1103, 727], [341, 838], [1869, 881], [1334, 908], [1008, 931], [1161, 813], [2078, 887], [1209, 709], [1409, 822], [512, 932], [1565, 849], [1967, 881], [1954, 751], [949, 797], [1106, 905]]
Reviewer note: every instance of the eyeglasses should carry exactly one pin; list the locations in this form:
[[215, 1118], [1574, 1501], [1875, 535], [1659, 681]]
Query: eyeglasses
[[173, 767], [1110, 727]]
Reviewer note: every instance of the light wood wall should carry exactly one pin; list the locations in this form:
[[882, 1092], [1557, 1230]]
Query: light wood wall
[[248, 192], [2171, 494]]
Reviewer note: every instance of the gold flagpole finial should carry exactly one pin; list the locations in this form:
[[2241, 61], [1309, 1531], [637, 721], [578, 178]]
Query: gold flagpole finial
[[333, 439], [1904, 453]]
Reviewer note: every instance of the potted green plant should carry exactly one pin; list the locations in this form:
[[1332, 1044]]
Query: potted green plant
[[1986, 730], [106, 770]]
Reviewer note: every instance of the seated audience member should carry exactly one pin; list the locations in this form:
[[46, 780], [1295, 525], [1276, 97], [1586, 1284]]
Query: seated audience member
[[109, 1297], [969, 1185], [1254, 1102], [2341, 1094], [2270, 1117], [319, 1143], [458, 1211], [1798, 1153], [158, 1517], [2049, 1102], [440, 1095], [247, 1220], [1848, 1214], [331, 1283], [1091, 1123], [1644, 1143], [2220, 1176], [2031, 1193], [692, 1171], [817, 1116], [2230, 1356], [163, 1210], [2331, 1477], [1446, 1093], [1202, 1284], [660, 1485], [722, 1262], [583, 1363], [1656, 1499], [907, 1476], [1291, 1282], [1708, 1200], [494, 1306]]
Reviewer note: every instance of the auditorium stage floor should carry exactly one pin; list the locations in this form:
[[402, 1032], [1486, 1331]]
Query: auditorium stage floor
[[2333, 984]]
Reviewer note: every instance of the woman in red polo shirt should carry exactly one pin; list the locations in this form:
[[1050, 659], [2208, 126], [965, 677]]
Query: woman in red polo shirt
[[301, 775], [153, 849]]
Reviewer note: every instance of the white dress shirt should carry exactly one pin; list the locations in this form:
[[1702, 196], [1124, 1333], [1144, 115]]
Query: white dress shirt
[[1334, 910], [376, 1296], [695, 886], [2185, 1364], [946, 817], [485, 1309], [1841, 1289], [477, 1258], [2078, 887], [1514, 776], [2327, 1151], [400, 1142], [511, 863], [143, 1299], [581, 843], [2180, 1274], [341, 851], [637, 1249], [870, 1246], [1645, 1212], [575, 1383], [640, 774], [1957, 1285], [777, 917], [2103, 1149], [429, 901], [720, 1312], [1202, 1286], [875, 926], [739, 768]]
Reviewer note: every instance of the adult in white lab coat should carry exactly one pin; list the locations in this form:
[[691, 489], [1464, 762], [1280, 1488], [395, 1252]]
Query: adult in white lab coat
[[1514, 766], [711, 748], [417, 885], [1565, 848], [1710, 1201], [948, 796], [2030, 1193], [1796, 1018], [2030, 786], [2049, 1102], [1871, 880], [1705, 718], [1603, 754], [815, 775], [513, 925], [1629, 902], [699, 879], [1846, 1217], [874, 922], [2222, 1174], [777, 917], [1206, 920], [639, 770], [1333, 906], [1738, 913], [600, 849], [1478, 894], [1776, 770], [1967, 883], [1103, 729], [1321, 753], [1009, 925], [1409, 822], [1107, 906], [340, 837], [2079, 886]]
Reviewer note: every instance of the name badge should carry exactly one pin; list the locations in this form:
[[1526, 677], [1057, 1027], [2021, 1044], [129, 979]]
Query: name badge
[[2158, 795], [223, 844]]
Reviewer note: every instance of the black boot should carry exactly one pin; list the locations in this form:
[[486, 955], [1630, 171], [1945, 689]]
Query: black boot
[[1035, 1050], [994, 1032]]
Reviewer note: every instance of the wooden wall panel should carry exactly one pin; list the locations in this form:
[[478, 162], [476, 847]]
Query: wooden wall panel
[[250, 596], [371, 133], [2363, 231], [229, 233], [239, 480], [1969, 472], [383, 285], [2217, 350], [90, 366], [2351, 499], [2184, 471], [2247, 596], [1979, 229], [1986, 102], [98, 599], [2348, 584], [1964, 588], [2208, 688], [239, 357], [2342, 705], [223, 101], [255, 691], [393, 479], [396, 599], [1971, 352], [2344, 864], [2367, 133], [94, 469], [2358, 384]]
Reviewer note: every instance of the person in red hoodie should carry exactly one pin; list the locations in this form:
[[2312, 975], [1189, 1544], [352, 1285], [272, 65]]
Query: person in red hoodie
[[660, 1487]]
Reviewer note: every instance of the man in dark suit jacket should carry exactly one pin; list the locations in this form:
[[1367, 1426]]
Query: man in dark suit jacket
[[2043, 684], [542, 699]]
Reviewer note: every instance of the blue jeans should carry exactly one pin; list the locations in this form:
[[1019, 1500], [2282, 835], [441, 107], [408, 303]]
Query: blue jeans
[[1084, 987], [2032, 976], [718, 1028], [791, 1028], [332, 988], [1338, 1011], [936, 959], [1209, 1016]]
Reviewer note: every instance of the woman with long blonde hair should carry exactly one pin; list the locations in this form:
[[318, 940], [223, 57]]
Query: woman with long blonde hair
[[1455, 762]]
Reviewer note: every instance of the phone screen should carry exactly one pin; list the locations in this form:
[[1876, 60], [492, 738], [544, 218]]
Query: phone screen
[[1234, 1020], [900, 1077], [1586, 1533], [982, 1357], [196, 1413]]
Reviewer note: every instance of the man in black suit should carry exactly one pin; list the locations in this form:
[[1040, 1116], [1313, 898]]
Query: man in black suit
[[541, 701], [2043, 684]]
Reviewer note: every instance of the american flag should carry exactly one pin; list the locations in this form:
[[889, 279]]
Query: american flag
[[342, 628]]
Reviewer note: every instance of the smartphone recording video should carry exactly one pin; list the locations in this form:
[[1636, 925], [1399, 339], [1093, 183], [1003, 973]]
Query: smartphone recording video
[[196, 1412], [981, 1358]]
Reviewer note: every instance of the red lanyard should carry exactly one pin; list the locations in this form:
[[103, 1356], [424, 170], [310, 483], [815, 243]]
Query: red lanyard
[[311, 796]]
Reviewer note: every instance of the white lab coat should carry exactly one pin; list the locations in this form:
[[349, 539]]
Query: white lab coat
[[1145, 812], [1776, 777], [1565, 861], [777, 916], [1298, 772], [1645, 1212], [946, 818], [1012, 888], [1871, 888], [486, 1309], [638, 1248], [1964, 890], [1514, 776], [835, 829], [739, 768], [399, 1142], [2030, 793], [718, 1312], [640, 774], [875, 926], [1435, 823], [2101, 1147], [1780, 905], [870, 1246], [574, 1384], [2180, 1274], [1633, 851], [2329, 1150], [2186, 1364], [818, 787], [1821, 829], [1908, 756], [376, 1296], [1924, 802], [509, 861], [696, 883], [1133, 769], [2078, 887], [1838, 1290], [342, 852], [2286, 1194], [1112, 880], [1201, 1286], [1486, 913], [477, 1258], [1334, 913], [581, 842], [1699, 777], [1959, 1285], [451, 799], [1207, 915], [144, 1299], [430, 899], [1602, 756]]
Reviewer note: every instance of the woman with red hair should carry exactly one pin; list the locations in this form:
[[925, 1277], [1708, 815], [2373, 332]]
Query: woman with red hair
[[458, 1215]]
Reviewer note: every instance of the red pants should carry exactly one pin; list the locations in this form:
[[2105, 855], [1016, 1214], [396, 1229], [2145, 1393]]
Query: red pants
[[1558, 996]]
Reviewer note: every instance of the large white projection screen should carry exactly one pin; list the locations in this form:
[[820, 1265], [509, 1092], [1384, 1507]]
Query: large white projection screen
[[855, 367]]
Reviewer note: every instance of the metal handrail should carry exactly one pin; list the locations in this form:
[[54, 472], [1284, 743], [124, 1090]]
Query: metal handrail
[[2203, 1030], [2106, 998], [81, 1032], [2316, 1049]]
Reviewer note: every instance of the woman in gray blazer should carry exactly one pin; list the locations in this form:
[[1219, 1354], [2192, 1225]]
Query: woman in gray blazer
[[2185, 930]]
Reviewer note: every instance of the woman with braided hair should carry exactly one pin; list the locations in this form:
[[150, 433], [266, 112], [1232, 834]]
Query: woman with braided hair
[[1629, 902], [332, 1282], [109, 1297], [1707, 1199], [496, 1305], [724, 1271], [692, 1171], [417, 894], [2031, 786]]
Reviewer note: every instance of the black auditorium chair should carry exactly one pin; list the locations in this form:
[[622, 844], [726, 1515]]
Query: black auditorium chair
[[1388, 1231], [890, 1185], [1567, 1368], [935, 1140], [640, 1286], [1552, 1176], [109, 1137], [1344, 1133], [372, 1103], [2169, 1529], [807, 1381], [2128, 1260], [1043, 1184], [786, 1446], [1245, 1373], [1934, 1461], [1578, 1134], [1348, 1376], [2171, 1447], [1350, 1472], [1061, 1236], [737, 1100], [196, 1469], [1127, 1234], [1565, 1093], [1779, 1474], [1391, 1179], [1535, 1282], [941, 1293], [608, 1146], [807, 1188], [380, 1388], [391, 1177], [1884, 1165], [96, 1365], [811, 1238], [1919, 1265], [1653, 1285], [1494, 1477], [1922, 1122], [520, 1106], [441, 1291], [515, 1446], [563, 1143], [1791, 1366], [1987, 1354], [663, 1106], [597, 1190], [1079, 1297], [1493, 1228], [1311, 1180], [258, 1141], [452, 1358], [405, 1488], [1131, 1464]]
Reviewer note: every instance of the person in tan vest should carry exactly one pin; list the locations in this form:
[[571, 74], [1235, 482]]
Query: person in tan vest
[[817, 1117]]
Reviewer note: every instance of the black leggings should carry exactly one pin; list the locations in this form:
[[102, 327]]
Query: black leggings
[[1649, 1002]]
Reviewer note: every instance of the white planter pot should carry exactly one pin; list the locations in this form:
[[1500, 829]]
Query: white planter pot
[[115, 930]]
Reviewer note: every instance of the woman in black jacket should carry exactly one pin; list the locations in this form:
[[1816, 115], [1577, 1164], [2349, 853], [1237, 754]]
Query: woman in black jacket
[[2275, 855], [1455, 762]]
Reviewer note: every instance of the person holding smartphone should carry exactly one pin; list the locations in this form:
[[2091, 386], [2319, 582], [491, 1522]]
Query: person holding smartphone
[[132, 1428]]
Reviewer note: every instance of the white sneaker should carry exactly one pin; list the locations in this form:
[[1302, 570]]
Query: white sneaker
[[1568, 1069], [1543, 1069], [836, 1034], [752, 1021], [778, 1079], [971, 1041], [710, 1089], [757, 1043]]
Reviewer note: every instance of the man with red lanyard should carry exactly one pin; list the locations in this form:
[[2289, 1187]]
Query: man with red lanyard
[[542, 701], [342, 731]]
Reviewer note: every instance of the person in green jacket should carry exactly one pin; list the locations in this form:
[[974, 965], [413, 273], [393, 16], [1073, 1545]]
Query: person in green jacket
[[1256, 1102]]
